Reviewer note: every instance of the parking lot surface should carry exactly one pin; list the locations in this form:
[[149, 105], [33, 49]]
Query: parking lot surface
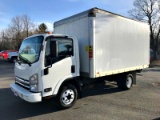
[[101, 101]]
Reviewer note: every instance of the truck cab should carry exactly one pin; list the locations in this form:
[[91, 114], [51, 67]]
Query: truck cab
[[45, 64]]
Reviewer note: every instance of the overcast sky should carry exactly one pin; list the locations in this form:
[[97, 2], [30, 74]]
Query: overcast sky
[[49, 11]]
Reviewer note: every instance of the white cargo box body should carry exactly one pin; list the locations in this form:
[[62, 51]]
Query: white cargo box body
[[108, 43]]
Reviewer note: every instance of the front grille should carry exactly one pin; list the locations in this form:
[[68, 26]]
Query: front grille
[[22, 82]]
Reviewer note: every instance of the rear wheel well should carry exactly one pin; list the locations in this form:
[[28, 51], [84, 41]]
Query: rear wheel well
[[125, 80], [13, 57]]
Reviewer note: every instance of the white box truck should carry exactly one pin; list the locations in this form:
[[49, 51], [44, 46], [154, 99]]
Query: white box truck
[[92, 45]]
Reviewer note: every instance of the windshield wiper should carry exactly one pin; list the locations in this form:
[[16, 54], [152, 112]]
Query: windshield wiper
[[26, 60]]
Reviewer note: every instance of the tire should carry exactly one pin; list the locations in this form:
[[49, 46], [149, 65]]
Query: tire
[[14, 59], [67, 96], [125, 82]]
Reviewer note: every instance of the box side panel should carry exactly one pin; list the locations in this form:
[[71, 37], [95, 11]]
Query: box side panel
[[78, 28], [120, 43]]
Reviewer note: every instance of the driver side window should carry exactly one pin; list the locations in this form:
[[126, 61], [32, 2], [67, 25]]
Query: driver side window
[[65, 49]]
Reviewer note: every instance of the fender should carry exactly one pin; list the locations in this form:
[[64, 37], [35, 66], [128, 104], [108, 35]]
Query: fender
[[58, 85], [75, 80]]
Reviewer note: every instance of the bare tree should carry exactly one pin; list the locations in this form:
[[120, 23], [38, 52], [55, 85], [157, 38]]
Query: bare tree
[[28, 25], [149, 11], [16, 25], [5, 42], [20, 28], [15, 29]]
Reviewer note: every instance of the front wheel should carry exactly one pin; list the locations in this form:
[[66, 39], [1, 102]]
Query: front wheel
[[67, 96]]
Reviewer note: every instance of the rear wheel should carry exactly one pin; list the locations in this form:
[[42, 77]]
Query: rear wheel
[[125, 82], [67, 96], [14, 59]]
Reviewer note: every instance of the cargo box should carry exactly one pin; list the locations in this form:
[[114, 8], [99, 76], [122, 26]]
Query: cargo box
[[108, 43]]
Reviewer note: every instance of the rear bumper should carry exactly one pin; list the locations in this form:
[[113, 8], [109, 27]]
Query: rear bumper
[[25, 94]]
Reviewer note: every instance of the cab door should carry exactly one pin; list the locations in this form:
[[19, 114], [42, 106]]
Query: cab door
[[59, 63]]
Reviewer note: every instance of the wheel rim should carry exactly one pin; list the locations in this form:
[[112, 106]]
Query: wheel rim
[[67, 97], [129, 82]]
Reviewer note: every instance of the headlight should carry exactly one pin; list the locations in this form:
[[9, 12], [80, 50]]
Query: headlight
[[34, 83]]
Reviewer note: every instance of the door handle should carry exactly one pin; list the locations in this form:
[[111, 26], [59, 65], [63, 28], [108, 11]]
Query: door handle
[[73, 69]]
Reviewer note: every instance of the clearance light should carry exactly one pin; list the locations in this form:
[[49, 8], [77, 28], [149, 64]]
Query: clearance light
[[48, 32], [90, 52]]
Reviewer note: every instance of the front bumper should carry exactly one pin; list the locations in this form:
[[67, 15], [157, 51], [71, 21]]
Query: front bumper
[[25, 94]]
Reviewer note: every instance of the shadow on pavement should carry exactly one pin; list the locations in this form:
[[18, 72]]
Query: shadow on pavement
[[100, 88], [157, 118], [13, 108], [152, 70]]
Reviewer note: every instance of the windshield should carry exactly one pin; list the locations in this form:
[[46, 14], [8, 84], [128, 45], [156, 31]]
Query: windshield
[[30, 50]]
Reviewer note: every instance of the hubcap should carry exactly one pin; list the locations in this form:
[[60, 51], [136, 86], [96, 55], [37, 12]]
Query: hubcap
[[67, 97], [129, 82]]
